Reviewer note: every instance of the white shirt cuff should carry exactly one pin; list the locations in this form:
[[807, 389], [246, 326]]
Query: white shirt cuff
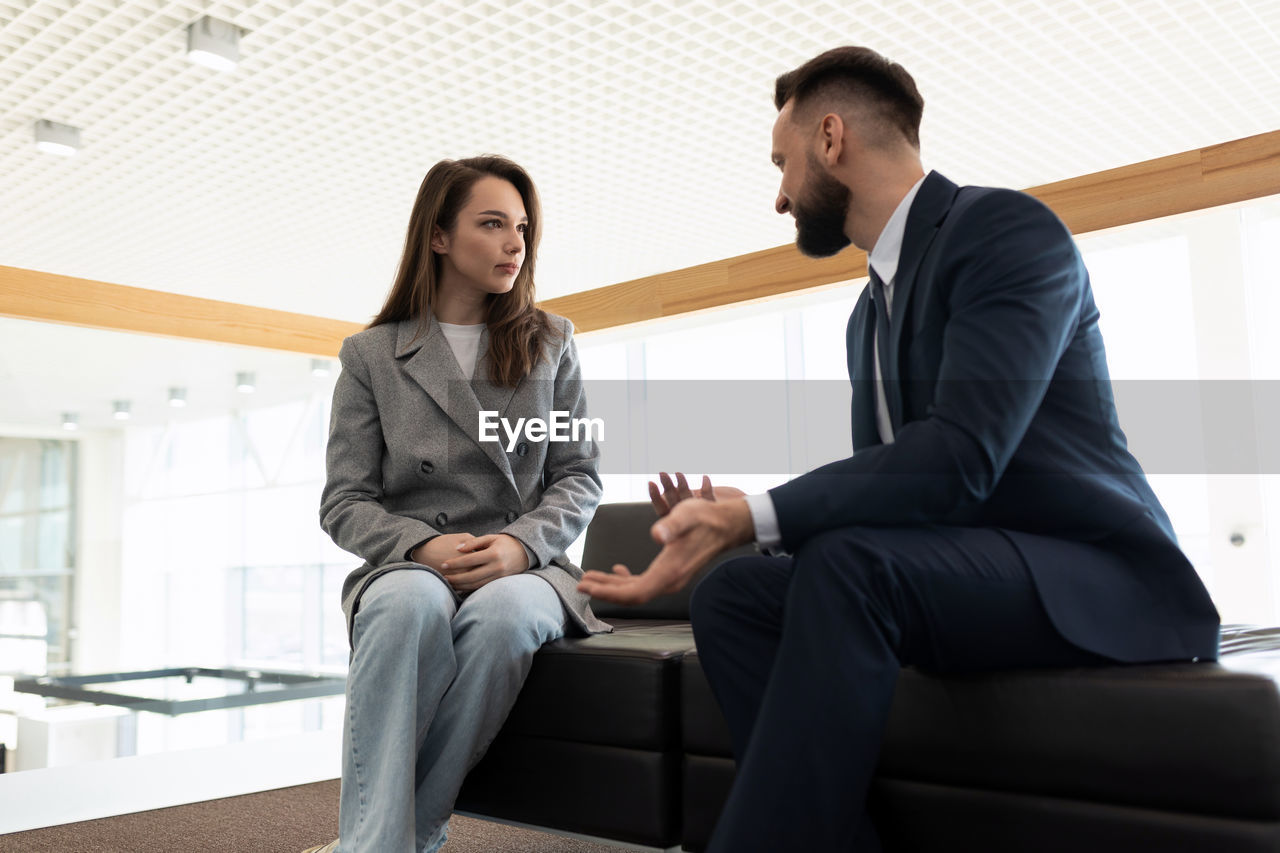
[[765, 519]]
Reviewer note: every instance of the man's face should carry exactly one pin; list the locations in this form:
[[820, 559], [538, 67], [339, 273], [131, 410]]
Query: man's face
[[808, 192]]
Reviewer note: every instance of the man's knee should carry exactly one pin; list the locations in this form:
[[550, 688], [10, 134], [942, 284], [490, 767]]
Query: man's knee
[[711, 590], [849, 557], [720, 590]]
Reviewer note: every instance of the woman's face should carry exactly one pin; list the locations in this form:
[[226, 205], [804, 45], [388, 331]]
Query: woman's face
[[485, 248]]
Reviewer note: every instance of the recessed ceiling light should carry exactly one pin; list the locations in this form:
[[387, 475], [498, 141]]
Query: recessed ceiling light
[[245, 382], [320, 367], [120, 410], [70, 421], [55, 138], [177, 397], [214, 43]]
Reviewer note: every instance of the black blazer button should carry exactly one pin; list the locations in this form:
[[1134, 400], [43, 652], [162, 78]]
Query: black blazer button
[[522, 449], [442, 520], [426, 467], [511, 517]]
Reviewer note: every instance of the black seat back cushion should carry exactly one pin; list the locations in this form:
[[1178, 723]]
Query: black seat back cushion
[[619, 533]]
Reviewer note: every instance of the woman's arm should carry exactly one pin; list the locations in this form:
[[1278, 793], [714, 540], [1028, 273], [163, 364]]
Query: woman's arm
[[351, 510]]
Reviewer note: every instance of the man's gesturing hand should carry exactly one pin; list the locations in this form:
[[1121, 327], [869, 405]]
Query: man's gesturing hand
[[693, 532], [672, 493], [482, 559]]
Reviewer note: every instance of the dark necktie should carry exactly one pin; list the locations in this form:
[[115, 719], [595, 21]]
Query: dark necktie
[[888, 370]]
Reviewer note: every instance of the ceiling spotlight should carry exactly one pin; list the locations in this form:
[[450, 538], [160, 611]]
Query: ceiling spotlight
[[70, 421], [213, 43], [244, 382], [178, 397], [54, 138], [320, 367], [120, 410]]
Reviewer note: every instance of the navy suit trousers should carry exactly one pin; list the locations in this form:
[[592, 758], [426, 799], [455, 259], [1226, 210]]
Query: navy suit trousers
[[802, 654]]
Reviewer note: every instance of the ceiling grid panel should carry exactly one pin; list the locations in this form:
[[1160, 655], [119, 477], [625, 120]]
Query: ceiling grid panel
[[287, 182]]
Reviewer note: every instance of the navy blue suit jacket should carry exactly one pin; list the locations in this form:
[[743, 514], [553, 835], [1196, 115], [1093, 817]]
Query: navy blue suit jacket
[[1003, 417]]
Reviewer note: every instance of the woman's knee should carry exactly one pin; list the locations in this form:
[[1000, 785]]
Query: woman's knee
[[406, 602], [520, 612]]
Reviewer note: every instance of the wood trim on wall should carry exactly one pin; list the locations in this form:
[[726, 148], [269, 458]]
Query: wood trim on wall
[[30, 295], [1180, 183]]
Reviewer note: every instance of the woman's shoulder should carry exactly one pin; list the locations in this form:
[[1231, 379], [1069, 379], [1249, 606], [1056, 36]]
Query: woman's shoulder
[[373, 343], [562, 326]]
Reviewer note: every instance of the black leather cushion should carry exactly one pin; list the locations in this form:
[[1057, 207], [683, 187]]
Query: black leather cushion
[[1192, 737], [620, 689], [924, 818], [707, 781], [1201, 738], [625, 794], [938, 819], [702, 725], [619, 533]]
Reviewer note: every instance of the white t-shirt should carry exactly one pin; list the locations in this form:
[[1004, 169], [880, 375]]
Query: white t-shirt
[[465, 343]]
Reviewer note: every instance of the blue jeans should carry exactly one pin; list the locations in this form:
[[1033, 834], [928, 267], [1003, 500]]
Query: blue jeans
[[429, 686]]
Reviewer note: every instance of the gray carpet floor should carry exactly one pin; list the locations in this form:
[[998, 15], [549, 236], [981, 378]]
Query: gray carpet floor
[[286, 820]]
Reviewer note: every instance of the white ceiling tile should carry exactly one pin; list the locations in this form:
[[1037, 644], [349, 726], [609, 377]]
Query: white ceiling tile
[[287, 182]]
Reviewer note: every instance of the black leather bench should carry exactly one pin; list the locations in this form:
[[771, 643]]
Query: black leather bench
[[618, 736]]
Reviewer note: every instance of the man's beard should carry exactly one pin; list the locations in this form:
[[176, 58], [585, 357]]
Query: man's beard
[[820, 214]]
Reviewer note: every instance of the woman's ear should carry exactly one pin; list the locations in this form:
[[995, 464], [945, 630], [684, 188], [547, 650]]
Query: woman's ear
[[439, 241]]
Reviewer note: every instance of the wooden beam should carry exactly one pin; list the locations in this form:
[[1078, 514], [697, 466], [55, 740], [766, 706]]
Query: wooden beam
[[30, 295], [1180, 183]]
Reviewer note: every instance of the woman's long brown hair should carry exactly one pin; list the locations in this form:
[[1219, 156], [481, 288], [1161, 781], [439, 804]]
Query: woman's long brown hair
[[517, 327]]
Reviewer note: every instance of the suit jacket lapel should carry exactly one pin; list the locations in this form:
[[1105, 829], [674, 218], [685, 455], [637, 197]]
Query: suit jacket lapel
[[931, 206], [429, 361]]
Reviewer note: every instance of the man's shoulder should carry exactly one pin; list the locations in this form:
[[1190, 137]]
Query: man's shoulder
[[997, 199], [972, 196], [987, 208]]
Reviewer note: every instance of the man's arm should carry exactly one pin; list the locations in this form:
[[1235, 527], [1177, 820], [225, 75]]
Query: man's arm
[[1015, 286]]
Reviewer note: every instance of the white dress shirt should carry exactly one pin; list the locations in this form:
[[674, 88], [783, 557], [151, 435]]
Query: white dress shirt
[[884, 259]]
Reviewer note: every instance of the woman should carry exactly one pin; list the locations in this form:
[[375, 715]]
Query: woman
[[465, 573]]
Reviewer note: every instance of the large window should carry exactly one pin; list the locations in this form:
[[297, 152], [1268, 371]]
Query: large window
[[225, 558], [1189, 306], [37, 554]]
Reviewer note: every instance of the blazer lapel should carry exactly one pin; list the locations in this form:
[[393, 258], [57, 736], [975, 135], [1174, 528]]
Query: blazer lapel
[[491, 397], [429, 361], [931, 206]]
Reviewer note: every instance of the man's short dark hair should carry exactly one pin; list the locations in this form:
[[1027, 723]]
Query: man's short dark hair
[[856, 74]]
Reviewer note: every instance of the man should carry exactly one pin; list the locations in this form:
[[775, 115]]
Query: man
[[990, 516]]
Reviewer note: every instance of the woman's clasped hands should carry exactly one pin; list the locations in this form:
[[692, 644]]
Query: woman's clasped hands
[[469, 562]]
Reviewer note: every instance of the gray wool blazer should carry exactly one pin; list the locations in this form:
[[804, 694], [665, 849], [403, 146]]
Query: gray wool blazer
[[405, 461]]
